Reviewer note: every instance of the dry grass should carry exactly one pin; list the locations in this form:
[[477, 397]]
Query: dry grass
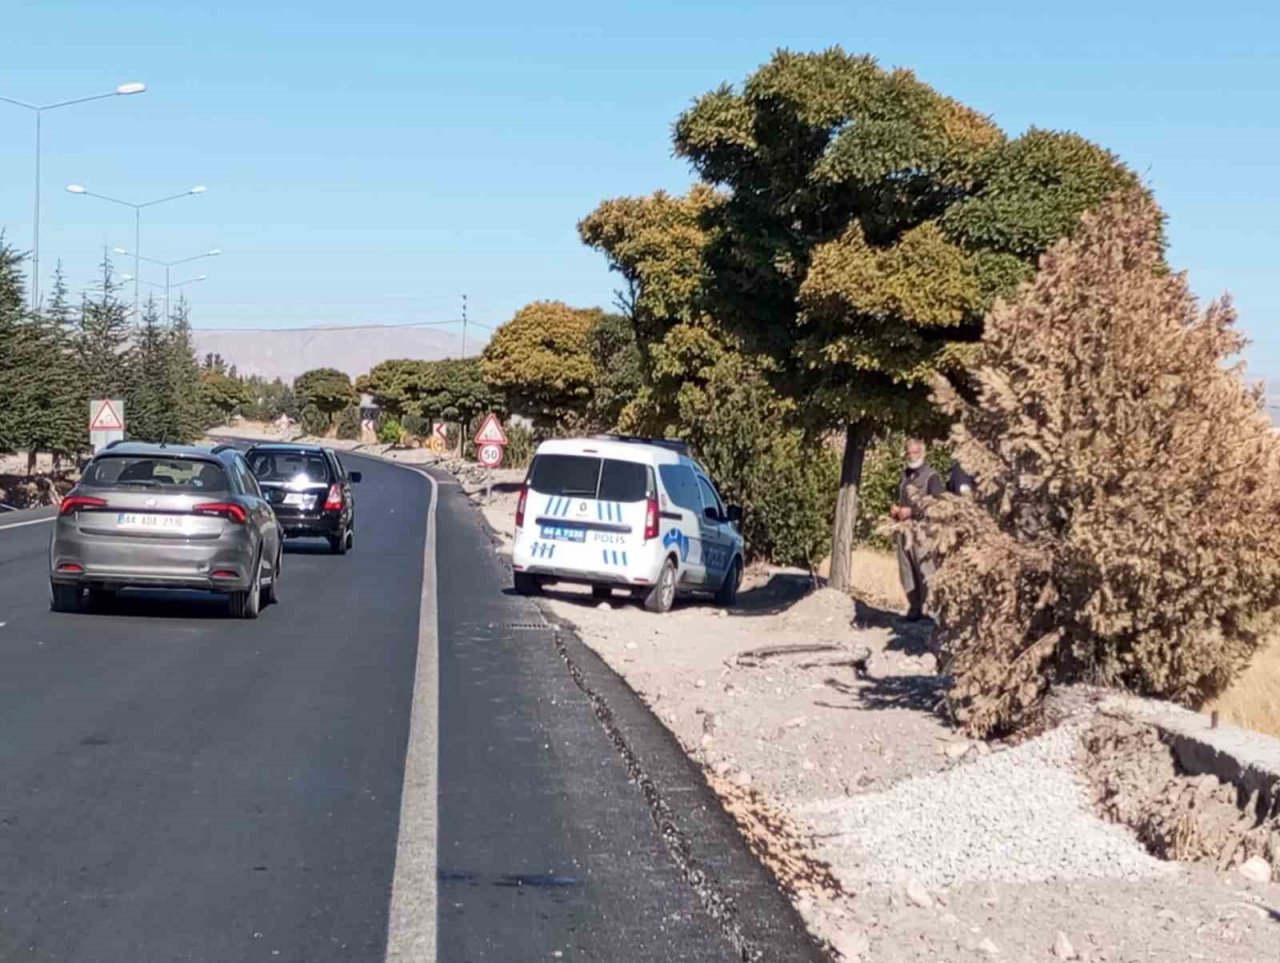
[[1253, 701]]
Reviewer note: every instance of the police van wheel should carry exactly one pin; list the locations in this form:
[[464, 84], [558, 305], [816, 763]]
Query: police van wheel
[[663, 593], [727, 594], [526, 584]]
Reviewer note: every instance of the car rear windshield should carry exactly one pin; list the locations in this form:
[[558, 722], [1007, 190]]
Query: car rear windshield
[[145, 471], [298, 467], [583, 476]]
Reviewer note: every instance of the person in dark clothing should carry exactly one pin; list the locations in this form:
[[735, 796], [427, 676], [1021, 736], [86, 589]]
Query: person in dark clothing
[[959, 481], [915, 566]]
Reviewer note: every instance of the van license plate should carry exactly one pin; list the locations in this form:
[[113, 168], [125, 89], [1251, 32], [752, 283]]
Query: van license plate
[[558, 533], [299, 501], [150, 523]]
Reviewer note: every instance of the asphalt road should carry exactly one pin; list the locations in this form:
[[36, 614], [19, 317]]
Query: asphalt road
[[177, 785]]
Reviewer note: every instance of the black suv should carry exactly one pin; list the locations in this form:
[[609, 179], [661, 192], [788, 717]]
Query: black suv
[[309, 490]]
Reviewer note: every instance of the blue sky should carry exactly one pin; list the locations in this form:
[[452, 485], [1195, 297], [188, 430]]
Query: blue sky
[[370, 162]]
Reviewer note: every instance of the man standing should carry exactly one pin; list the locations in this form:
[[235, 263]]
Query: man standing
[[915, 566]]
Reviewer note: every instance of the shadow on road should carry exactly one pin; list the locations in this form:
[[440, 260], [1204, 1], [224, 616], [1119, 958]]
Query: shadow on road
[[158, 604]]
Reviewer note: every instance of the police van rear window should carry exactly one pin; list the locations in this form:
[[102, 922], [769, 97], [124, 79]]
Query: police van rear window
[[582, 476]]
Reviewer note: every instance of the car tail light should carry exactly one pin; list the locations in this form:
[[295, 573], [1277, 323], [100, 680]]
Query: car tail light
[[228, 510], [651, 519], [524, 497], [333, 501], [71, 568], [76, 503], [224, 573]]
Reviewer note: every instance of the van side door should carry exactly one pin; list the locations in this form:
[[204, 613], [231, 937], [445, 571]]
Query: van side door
[[680, 508], [717, 534]]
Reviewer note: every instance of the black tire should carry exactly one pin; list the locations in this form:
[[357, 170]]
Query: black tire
[[65, 598], [339, 544], [662, 596], [526, 584], [247, 604], [727, 594], [601, 592]]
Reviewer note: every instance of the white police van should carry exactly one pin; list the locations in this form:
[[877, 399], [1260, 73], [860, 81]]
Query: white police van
[[631, 513]]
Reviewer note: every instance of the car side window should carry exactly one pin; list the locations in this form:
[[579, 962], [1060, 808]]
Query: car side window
[[339, 470], [681, 487], [710, 498], [248, 484]]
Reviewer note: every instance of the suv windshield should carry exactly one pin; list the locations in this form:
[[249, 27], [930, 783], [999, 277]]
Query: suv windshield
[[174, 474], [299, 467], [583, 476]]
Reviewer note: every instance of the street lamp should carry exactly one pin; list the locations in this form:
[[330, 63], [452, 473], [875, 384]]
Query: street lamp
[[137, 222], [38, 109], [168, 264]]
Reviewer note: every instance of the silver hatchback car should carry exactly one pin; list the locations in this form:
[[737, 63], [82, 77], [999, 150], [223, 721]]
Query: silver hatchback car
[[159, 516]]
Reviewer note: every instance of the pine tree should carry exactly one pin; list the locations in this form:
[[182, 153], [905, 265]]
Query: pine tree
[[102, 340], [12, 298], [190, 416], [151, 403], [68, 433], [45, 385]]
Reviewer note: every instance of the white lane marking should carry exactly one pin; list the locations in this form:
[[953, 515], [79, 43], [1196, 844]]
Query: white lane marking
[[411, 926], [34, 521]]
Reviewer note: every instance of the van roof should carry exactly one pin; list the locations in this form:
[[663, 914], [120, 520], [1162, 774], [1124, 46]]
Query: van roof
[[623, 448]]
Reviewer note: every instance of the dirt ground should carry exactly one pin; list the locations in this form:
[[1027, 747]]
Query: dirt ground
[[800, 705]]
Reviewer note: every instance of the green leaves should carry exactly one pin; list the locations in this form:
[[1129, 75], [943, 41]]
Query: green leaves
[[328, 390]]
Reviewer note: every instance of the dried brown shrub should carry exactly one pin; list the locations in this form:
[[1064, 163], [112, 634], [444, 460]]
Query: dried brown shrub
[[1127, 531]]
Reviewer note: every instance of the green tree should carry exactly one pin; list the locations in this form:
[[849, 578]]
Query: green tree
[[327, 390], [618, 374], [541, 360], [65, 431], [151, 402], [12, 295], [854, 225], [222, 395], [101, 341], [191, 414]]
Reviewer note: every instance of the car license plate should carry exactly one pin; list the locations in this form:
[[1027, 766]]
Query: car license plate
[[150, 523], [558, 533], [299, 501]]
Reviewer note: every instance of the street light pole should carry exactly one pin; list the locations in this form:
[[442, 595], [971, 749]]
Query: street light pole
[[166, 264], [39, 109], [137, 223]]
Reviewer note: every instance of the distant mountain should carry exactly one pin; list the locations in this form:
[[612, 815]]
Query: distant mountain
[[288, 352]]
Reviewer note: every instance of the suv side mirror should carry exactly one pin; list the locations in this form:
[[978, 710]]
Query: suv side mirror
[[355, 477], [733, 513], [711, 513]]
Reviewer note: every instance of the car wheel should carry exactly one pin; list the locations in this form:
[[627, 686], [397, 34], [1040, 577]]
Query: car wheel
[[338, 544], [526, 584], [602, 592], [247, 604], [65, 598], [663, 594], [727, 594]]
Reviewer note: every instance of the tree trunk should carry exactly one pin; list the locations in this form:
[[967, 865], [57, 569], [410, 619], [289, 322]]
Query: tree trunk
[[31, 462], [855, 450]]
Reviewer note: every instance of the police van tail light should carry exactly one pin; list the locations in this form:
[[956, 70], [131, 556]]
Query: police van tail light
[[520, 507], [651, 519]]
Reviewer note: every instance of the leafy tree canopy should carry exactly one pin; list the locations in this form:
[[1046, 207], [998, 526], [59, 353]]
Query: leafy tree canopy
[[327, 389]]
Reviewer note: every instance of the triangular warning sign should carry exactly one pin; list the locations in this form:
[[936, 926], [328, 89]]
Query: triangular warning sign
[[491, 432], [106, 419]]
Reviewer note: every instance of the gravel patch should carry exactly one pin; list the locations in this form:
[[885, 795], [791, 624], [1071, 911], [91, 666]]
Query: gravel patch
[[1019, 815]]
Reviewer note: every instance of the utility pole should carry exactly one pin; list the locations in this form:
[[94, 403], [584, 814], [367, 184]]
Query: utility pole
[[464, 326]]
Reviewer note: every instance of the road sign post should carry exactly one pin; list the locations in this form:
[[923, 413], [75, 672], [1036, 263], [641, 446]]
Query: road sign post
[[106, 422], [491, 445]]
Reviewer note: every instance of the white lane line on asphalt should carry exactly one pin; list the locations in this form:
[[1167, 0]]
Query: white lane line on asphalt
[[34, 521], [411, 927]]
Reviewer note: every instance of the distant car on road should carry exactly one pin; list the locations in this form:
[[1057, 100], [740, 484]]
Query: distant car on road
[[631, 513], [310, 491], [166, 516]]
